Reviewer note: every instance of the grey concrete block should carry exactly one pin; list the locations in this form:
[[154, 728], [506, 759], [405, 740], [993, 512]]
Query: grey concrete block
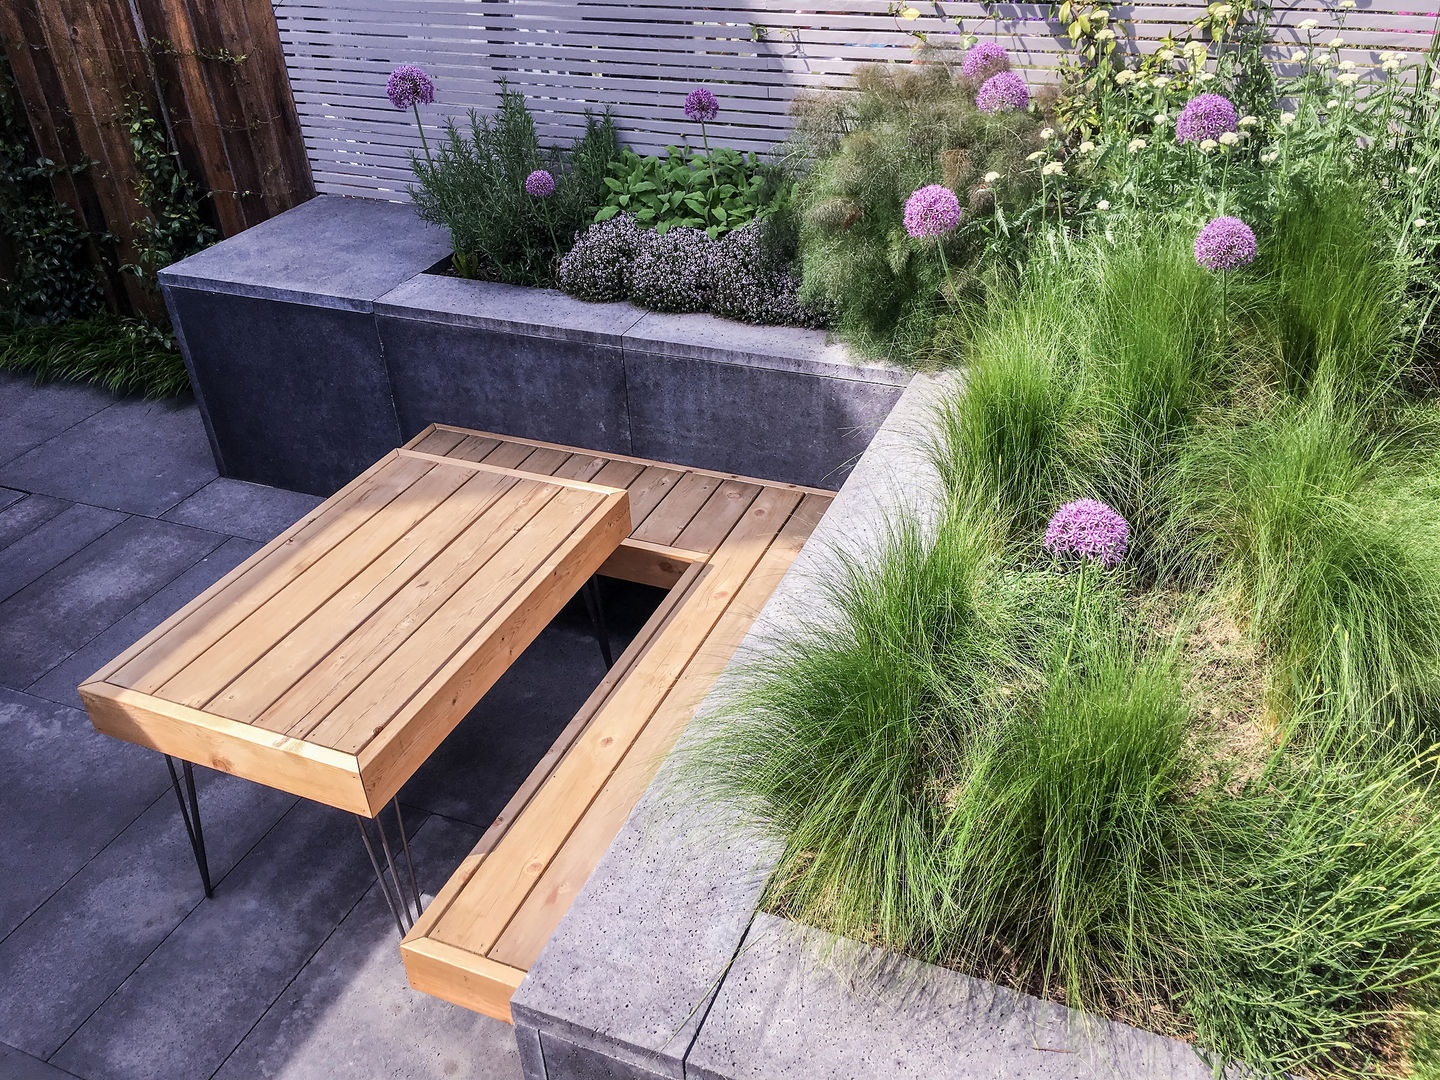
[[18, 1065], [509, 309], [30, 414], [527, 1044], [567, 1061], [296, 396], [8, 496], [781, 348], [793, 1006], [57, 613], [138, 456], [60, 682], [351, 1013], [330, 252], [23, 515], [75, 950], [237, 508], [758, 419], [556, 389], [55, 539], [68, 792]]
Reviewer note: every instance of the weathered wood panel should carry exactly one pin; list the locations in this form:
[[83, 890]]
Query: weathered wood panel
[[213, 70]]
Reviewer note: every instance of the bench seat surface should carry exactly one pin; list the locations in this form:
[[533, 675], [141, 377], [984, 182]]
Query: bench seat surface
[[721, 543]]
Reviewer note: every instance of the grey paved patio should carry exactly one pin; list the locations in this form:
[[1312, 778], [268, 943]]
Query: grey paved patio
[[114, 966]]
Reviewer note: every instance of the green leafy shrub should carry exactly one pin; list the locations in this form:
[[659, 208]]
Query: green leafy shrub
[[127, 355], [905, 127], [51, 275], [716, 192], [177, 227], [474, 185]]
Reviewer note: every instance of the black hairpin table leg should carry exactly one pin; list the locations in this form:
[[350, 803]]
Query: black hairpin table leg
[[190, 812], [404, 904]]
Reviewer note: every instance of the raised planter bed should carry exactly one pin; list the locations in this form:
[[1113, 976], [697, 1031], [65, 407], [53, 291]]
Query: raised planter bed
[[663, 968], [318, 340]]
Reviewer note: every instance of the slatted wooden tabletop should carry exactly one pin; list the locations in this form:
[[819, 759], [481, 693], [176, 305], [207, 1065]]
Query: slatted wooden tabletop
[[335, 660]]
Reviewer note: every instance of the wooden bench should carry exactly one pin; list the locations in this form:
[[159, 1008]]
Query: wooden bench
[[720, 543]]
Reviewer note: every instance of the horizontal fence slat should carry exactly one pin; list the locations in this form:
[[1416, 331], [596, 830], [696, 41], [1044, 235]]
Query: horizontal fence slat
[[638, 58]]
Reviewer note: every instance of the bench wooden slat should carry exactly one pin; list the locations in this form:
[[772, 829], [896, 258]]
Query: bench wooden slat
[[178, 642], [476, 921], [535, 921], [651, 485], [227, 658], [714, 520], [302, 707], [482, 503], [678, 508]]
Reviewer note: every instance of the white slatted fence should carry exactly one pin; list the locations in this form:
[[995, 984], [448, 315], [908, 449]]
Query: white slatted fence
[[640, 58]]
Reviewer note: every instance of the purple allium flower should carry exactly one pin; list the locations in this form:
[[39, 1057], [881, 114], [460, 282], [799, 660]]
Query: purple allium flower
[[931, 211], [1089, 529], [1205, 116], [1225, 243], [540, 184], [1002, 91], [701, 105], [408, 85], [983, 60]]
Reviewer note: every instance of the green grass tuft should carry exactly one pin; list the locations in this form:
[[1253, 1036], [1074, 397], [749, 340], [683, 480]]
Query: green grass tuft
[[123, 354]]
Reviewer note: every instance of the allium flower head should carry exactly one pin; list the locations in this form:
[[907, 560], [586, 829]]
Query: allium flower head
[[1205, 116], [1088, 529], [1225, 243], [540, 184], [931, 211], [984, 60], [701, 105], [408, 85], [1002, 91]]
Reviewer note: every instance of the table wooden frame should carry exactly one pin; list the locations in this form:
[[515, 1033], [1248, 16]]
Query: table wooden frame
[[362, 772]]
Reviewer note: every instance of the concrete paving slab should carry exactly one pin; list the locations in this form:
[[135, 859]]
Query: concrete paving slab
[[22, 516], [43, 548], [185, 1008], [60, 682], [237, 508], [351, 1012], [70, 955], [138, 456], [30, 414], [18, 1065], [58, 612], [68, 792], [8, 496]]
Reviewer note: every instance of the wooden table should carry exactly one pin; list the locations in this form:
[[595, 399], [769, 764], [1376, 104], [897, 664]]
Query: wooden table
[[333, 662]]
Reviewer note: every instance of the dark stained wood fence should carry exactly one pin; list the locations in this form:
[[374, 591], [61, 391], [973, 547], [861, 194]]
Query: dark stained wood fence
[[212, 70]]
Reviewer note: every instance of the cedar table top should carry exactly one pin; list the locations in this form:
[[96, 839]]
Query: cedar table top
[[333, 662]]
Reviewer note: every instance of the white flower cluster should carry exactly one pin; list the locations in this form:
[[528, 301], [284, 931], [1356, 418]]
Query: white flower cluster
[[598, 266], [670, 272]]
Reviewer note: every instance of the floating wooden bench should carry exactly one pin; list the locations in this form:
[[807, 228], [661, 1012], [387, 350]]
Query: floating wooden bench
[[721, 544]]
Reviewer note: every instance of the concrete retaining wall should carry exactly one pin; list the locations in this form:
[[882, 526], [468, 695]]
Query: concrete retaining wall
[[316, 342], [663, 968]]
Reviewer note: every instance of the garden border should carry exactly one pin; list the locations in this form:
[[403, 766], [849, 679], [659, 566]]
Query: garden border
[[316, 342], [663, 969]]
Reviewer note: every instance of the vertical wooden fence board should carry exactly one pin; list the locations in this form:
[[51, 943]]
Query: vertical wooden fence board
[[640, 57]]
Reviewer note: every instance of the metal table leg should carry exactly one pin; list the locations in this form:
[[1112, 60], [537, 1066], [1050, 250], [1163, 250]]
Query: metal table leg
[[190, 812], [593, 607], [405, 906]]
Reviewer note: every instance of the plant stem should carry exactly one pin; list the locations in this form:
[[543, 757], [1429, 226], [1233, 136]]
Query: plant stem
[[416, 106], [1075, 616], [704, 138]]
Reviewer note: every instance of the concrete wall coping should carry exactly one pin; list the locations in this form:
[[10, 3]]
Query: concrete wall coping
[[332, 251], [663, 965], [546, 313]]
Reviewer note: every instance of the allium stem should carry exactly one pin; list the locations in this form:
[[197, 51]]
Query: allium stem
[[710, 161], [1075, 616], [423, 143]]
